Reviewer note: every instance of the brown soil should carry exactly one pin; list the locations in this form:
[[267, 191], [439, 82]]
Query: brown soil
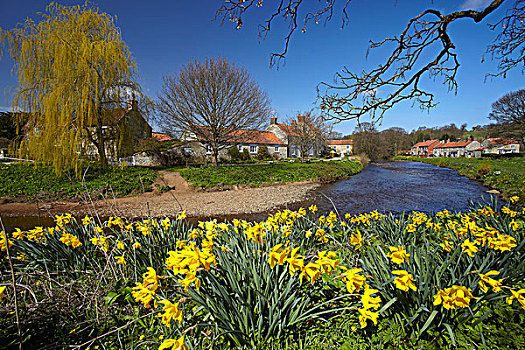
[[180, 196]]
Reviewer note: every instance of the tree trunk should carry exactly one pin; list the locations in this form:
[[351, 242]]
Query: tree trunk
[[215, 158], [100, 144]]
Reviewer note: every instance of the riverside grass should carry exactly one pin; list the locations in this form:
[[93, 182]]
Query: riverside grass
[[26, 181], [294, 281], [281, 172], [507, 175]]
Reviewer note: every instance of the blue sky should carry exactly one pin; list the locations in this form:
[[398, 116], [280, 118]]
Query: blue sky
[[165, 35]]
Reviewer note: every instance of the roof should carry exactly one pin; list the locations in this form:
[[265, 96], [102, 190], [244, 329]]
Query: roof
[[255, 136], [425, 143], [251, 136], [453, 144], [288, 129], [160, 136], [500, 141], [339, 142]]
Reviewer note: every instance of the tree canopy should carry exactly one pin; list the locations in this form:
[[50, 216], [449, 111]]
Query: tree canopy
[[212, 100], [73, 68], [423, 47], [509, 111]]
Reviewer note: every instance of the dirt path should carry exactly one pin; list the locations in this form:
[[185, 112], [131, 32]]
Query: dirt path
[[180, 196]]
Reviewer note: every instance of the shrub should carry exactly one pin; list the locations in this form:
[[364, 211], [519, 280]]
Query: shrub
[[484, 169], [262, 153], [234, 154]]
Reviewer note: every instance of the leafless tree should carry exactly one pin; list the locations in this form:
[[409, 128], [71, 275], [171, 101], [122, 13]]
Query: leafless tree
[[423, 48], [509, 111], [212, 100], [308, 133], [366, 140]]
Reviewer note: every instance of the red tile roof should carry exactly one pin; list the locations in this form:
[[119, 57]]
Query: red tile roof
[[500, 141], [255, 136], [425, 143], [453, 144], [340, 142], [160, 136], [287, 129], [252, 136]]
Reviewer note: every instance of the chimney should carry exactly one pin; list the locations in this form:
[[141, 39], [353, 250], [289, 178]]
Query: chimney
[[273, 120], [301, 119], [133, 105]]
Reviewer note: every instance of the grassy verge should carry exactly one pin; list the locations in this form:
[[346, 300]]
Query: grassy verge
[[259, 174], [25, 182], [295, 281], [505, 175]]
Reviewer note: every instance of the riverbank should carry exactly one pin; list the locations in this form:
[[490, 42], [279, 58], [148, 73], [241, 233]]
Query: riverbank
[[212, 192], [170, 203], [506, 175]]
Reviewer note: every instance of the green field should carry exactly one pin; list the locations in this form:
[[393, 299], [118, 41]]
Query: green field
[[507, 175], [258, 174]]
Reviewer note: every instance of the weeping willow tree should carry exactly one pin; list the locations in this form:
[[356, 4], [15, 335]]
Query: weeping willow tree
[[73, 69]]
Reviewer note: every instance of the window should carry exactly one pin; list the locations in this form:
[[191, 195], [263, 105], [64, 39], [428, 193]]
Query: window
[[311, 151], [276, 149], [240, 147], [187, 151], [208, 149], [253, 149]]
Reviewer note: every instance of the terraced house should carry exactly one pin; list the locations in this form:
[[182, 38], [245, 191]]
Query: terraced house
[[424, 148]]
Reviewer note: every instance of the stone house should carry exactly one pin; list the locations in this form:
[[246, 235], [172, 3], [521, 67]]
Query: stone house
[[293, 135], [123, 132], [343, 147], [500, 146], [250, 140]]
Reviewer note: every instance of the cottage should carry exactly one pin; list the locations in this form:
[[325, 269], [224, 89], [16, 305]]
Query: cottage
[[343, 147], [250, 140], [457, 149], [500, 146], [425, 148], [297, 135], [124, 130]]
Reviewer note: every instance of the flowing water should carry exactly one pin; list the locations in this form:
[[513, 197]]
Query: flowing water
[[402, 186], [387, 187]]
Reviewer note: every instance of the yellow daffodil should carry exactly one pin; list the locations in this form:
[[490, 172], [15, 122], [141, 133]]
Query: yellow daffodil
[[398, 254], [2, 292], [120, 260], [404, 281], [171, 311], [518, 295], [486, 281], [368, 300], [367, 314], [354, 281], [172, 344], [469, 247], [182, 215]]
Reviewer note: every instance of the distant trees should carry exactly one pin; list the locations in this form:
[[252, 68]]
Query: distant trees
[[509, 112], [366, 140], [73, 69], [308, 133], [212, 100]]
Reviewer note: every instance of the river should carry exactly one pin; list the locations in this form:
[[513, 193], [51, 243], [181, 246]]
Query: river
[[402, 186], [386, 187]]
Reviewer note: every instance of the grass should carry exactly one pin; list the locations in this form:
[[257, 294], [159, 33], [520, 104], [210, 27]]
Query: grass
[[258, 174], [507, 175], [25, 182]]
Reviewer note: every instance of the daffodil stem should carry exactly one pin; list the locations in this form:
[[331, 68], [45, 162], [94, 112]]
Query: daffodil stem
[[13, 284]]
